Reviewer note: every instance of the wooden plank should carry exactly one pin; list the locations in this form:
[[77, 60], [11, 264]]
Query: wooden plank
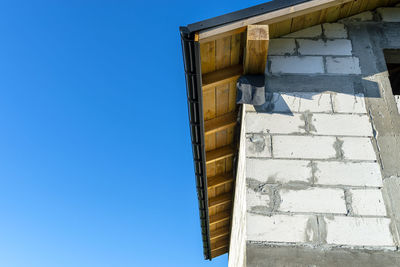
[[282, 27], [219, 251], [219, 180], [211, 193], [356, 7], [220, 166], [345, 10], [222, 76], [220, 123], [297, 24], [221, 208], [273, 17], [209, 107], [236, 49], [210, 141], [232, 96], [273, 31], [219, 153], [372, 4], [223, 53], [364, 5], [220, 200], [219, 243], [220, 217], [222, 92], [210, 167], [219, 233], [322, 16], [207, 52], [256, 50], [312, 19], [221, 189], [332, 14]]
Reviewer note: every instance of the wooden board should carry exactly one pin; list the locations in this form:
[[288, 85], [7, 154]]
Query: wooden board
[[256, 51]]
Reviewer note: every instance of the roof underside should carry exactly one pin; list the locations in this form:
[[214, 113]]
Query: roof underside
[[219, 44]]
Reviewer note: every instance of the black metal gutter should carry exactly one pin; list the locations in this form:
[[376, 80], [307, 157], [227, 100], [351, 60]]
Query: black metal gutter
[[191, 61], [243, 14]]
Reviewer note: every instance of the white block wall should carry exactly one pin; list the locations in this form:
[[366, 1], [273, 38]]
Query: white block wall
[[313, 176], [315, 50]]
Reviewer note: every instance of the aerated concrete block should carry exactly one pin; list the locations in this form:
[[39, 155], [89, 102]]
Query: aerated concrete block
[[315, 102], [274, 123], [351, 231], [301, 102], [357, 148], [367, 202], [278, 171], [348, 173], [282, 47], [334, 30], [281, 228], [318, 200], [256, 199], [346, 103], [304, 147], [341, 124], [258, 145], [294, 64], [338, 47], [285, 102], [343, 65]]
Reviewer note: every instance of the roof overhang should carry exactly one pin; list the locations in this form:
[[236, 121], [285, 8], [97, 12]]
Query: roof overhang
[[209, 76]]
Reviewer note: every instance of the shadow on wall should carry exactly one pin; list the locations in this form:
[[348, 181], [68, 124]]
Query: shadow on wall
[[286, 94]]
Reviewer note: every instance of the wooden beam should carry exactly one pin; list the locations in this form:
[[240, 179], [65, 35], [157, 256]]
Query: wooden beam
[[219, 153], [256, 50], [222, 76], [219, 247], [220, 251], [220, 217], [219, 233], [220, 123], [220, 200], [219, 180], [270, 17]]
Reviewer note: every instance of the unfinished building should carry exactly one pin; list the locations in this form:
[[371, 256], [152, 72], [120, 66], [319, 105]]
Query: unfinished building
[[294, 110]]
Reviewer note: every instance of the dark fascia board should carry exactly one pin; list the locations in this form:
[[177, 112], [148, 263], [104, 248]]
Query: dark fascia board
[[243, 14]]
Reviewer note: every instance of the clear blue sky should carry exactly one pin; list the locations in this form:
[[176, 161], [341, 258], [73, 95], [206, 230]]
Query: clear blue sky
[[95, 158]]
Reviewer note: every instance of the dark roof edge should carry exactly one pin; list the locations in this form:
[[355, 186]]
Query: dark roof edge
[[191, 61], [243, 14]]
